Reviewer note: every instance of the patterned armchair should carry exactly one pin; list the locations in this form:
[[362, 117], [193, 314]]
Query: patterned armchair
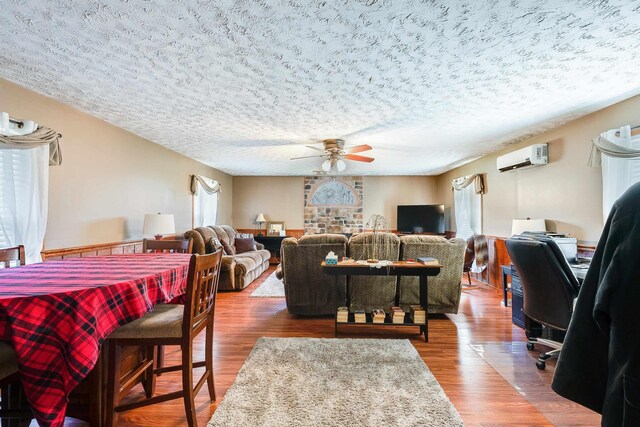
[[445, 288], [307, 289]]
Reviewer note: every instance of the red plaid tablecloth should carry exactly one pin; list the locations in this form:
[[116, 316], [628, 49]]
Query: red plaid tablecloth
[[57, 314]]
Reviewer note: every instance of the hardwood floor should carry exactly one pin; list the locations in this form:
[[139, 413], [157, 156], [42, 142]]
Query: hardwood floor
[[460, 349]]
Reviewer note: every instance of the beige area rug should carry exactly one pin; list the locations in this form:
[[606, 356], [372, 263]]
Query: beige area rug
[[272, 287], [335, 382], [517, 366]]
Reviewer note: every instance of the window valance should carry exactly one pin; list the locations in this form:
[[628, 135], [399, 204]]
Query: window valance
[[212, 188], [42, 136], [609, 144], [476, 179]]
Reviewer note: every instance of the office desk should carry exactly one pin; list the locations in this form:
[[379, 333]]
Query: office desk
[[516, 290]]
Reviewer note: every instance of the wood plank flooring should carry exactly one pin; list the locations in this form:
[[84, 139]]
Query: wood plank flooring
[[454, 354]]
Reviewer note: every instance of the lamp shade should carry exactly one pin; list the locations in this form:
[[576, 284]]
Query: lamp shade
[[159, 224], [519, 226], [260, 219]]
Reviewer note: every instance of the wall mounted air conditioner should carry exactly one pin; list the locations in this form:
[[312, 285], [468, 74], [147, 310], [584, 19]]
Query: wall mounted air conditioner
[[534, 155]]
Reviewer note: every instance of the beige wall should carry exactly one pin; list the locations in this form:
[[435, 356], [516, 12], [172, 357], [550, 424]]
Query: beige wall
[[109, 178], [279, 198], [382, 194], [282, 198], [566, 192]]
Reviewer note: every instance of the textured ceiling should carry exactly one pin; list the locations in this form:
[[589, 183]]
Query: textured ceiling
[[244, 85]]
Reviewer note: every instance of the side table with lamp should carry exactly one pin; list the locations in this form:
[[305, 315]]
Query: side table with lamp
[[260, 219], [158, 225]]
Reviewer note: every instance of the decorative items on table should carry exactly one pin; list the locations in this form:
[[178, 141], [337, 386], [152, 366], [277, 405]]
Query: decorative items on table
[[158, 224], [417, 314], [375, 263], [276, 228], [331, 258], [397, 314], [260, 219], [378, 225], [359, 316], [343, 315], [378, 315]]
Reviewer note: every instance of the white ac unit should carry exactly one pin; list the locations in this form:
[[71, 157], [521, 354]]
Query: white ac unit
[[534, 155]]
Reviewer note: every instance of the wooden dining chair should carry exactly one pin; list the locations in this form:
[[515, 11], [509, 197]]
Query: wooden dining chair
[[165, 246], [183, 246], [13, 404], [170, 324]]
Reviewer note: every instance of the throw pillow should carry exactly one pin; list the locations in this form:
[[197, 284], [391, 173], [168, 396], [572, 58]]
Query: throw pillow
[[243, 235], [228, 250], [212, 245], [245, 244]]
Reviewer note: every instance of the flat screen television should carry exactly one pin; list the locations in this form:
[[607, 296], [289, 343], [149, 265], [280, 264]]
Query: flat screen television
[[421, 218]]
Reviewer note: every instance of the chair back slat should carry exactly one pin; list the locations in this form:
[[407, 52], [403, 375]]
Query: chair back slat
[[202, 287], [183, 246], [12, 257]]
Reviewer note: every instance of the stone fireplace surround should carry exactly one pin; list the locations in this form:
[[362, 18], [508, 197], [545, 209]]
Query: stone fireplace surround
[[333, 204]]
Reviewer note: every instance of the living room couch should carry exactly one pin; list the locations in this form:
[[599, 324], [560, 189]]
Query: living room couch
[[309, 291], [238, 269], [446, 287], [369, 292]]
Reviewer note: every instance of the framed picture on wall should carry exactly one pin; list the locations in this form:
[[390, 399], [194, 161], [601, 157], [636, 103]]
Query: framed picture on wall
[[275, 228]]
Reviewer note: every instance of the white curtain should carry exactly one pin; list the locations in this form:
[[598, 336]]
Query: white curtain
[[205, 204], [24, 180], [467, 206], [618, 173]]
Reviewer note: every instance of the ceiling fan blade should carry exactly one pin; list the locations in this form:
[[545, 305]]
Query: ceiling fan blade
[[314, 148], [358, 148], [359, 158], [308, 157]]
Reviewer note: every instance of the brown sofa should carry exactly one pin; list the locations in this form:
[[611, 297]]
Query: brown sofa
[[238, 270], [307, 289], [311, 292], [446, 287]]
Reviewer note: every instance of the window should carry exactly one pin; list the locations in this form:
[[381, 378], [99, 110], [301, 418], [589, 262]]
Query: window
[[618, 174], [24, 177], [205, 204], [468, 210]]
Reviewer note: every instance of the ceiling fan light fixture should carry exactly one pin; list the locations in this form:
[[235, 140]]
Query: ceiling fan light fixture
[[326, 165], [341, 165]]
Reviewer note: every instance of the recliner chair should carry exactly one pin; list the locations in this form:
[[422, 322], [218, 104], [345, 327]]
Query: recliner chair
[[549, 287]]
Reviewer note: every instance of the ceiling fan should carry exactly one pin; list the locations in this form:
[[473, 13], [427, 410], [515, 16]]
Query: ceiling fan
[[336, 153]]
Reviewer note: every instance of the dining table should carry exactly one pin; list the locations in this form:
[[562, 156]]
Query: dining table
[[57, 314]]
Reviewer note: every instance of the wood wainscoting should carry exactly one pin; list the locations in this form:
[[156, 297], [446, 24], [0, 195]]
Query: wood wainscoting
[[113, 248], [498, 256]]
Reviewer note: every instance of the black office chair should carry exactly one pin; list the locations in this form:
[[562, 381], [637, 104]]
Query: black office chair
[[549, 287]]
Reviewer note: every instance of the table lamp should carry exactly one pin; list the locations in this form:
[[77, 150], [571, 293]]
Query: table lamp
[[260, 220], [519, 226], [159, 224]]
